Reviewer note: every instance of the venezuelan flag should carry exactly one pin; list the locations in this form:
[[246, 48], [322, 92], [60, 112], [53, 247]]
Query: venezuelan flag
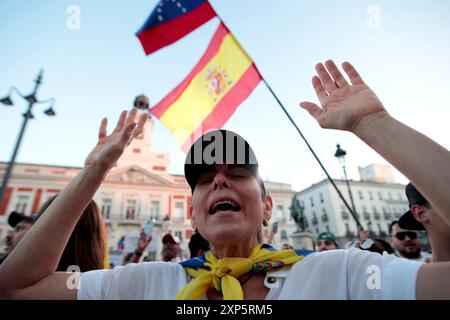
[[223, 78], [171, 21]]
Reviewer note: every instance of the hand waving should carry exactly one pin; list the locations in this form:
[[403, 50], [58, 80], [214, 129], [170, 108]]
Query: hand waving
[[110, 147], [343, 105]]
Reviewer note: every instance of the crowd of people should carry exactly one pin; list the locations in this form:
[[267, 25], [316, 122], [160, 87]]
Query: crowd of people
[[230, 205]]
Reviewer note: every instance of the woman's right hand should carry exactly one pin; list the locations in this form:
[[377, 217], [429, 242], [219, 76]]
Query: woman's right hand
[[109, 148]]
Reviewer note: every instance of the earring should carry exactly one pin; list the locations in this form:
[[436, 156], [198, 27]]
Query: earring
[[265, 223]]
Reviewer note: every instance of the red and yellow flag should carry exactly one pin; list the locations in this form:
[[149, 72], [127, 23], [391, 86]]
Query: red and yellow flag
[[223, 78]]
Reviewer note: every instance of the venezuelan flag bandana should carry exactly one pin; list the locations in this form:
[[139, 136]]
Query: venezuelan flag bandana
[[208, 271]]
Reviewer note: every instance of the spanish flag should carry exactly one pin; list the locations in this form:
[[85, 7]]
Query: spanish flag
[[223, 78]]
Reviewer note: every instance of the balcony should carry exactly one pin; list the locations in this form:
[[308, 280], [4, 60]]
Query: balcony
[[377, 216], [345, 215], [366, 216], [324, 217], [314, 221], [387, 216]]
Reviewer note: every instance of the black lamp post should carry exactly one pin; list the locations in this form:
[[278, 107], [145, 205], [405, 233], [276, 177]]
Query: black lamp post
[[340, 154], [32, 100]]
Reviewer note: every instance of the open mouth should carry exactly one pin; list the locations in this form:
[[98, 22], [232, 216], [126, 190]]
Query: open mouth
[[224, 206]]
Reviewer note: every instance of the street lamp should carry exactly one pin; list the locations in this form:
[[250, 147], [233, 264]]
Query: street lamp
[[32, 100], [340, 154]]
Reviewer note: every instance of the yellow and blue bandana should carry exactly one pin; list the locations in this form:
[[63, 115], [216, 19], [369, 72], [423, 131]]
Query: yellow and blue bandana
[[208, 271]]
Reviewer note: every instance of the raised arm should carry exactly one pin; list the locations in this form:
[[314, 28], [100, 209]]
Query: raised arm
[[29, 271], [355, 107]]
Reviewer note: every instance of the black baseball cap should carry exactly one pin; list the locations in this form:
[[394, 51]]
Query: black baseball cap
[[219, 147], [407, 220], [16, 217]]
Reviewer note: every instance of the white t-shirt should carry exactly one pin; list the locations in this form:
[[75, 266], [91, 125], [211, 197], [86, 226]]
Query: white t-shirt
[[424, 256], [336, 274]]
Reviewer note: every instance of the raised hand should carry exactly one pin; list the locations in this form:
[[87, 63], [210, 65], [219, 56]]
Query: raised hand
[[343, 106], [143, 242], [110, 147]]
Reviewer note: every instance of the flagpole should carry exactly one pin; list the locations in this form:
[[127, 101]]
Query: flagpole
[[298, 130]]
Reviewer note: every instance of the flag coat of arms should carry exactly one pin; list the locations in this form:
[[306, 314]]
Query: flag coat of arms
[[223, 78]]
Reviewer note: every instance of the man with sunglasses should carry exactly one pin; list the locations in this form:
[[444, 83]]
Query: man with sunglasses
[[422, 216], [326, 241], [407, 244]]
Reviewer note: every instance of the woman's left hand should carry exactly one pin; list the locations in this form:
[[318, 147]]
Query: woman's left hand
[[109, 148]]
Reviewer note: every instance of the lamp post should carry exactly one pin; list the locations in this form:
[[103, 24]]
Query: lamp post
[[340, 154], [32, 100]]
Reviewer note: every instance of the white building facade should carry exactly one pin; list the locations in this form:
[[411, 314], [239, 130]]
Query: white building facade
[[377, 204]]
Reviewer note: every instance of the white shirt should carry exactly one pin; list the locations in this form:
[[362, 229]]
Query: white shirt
[[336, 274], [424, 256]]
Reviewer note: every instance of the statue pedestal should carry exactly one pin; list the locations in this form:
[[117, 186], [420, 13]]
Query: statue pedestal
[[303, 240]]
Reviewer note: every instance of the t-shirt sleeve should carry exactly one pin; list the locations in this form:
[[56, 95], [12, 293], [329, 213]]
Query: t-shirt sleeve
[[90, 285], [374, 276], [148, 280]]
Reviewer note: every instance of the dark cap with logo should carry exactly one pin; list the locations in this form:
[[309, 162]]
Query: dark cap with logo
[[16, 217], [219, 147], [407, 220]]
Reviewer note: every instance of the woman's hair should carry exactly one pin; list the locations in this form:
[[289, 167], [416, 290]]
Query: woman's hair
[[86, 246]]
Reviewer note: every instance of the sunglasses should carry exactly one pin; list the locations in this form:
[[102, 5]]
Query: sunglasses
[[324, 242], [402, 235]]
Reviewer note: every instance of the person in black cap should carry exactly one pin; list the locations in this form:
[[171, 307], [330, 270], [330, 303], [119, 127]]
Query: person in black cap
[[422, 216], [20, 223], [229, 207], [197, 245]]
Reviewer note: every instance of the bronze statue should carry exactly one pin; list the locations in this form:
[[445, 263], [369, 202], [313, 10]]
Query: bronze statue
[[297, 214]]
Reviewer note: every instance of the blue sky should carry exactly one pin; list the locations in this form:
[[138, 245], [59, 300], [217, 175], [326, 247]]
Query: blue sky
[[97, 70]]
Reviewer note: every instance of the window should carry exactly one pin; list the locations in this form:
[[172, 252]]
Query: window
[[321, 197], [375, 209], [179, 212], [344, 213], [360, 195], [155, 210], [390, 195], [399, 196], [370, 195], [106, 207], [380, 196], [179, 234], [317, 230], [312, 201], [314, 219], [328, 228], [131, 209], [364, 209], [284, 235], [22, 203]]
